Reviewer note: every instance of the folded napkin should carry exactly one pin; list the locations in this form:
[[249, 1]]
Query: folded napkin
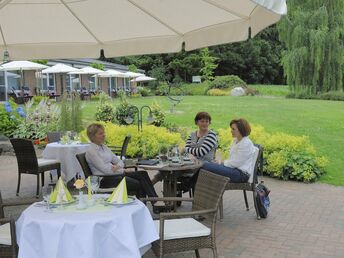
[[119, 195], [89, 188], [60, 193]]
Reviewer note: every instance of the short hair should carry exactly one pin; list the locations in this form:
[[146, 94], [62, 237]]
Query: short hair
[[92, 129], [243, 126], [202, 115]]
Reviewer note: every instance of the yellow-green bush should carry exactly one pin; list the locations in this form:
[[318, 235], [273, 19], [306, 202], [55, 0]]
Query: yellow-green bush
[[217, 92], [145, 143], [285, 156]]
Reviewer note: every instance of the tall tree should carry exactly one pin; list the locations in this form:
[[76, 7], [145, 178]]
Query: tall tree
[[209, 64], [313, 32]]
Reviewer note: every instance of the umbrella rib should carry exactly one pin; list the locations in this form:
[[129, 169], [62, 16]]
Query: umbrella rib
[[81, 22], [4, 3], [3, 37], [225, 9], [154, 17]]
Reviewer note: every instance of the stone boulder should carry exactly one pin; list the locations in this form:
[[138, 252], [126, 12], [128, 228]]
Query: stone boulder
[[238, 91]]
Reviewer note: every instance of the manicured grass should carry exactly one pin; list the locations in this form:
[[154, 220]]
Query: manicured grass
[[321, 120], [271, 90]]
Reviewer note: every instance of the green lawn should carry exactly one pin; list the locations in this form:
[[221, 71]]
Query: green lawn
[[322, 121]]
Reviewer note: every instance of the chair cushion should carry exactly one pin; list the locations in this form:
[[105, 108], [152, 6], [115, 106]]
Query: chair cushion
[[182, 228], [5, 234], [46, 162]]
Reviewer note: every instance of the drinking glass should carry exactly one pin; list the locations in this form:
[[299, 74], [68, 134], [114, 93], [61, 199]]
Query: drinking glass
[[94, 184], [46, 192]]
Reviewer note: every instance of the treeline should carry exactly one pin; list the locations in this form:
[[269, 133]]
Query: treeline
[[257, 60]]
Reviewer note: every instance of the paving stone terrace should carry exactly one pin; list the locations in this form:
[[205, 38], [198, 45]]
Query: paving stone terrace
[[306, 220]]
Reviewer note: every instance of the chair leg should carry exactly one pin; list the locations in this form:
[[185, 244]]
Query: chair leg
[[42, 177], [221, 208], [51, 177], [58, 172], [215, 252], [37, 190], [197, 253], [246, 202], [18, 185], [255, 204]]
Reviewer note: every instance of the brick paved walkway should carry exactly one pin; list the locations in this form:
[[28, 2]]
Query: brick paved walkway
[[306, 220]]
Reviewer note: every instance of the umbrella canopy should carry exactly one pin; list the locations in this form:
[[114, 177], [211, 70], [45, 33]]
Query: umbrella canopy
[[60, 68], [133, 75], [113, 73], [143, 79], [87, 70], [21, 65], [141, 26]]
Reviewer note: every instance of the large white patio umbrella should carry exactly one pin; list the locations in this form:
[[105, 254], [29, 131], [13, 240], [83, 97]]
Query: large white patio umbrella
[[143, 78], [88, 70], [60, 69], [74, 29]]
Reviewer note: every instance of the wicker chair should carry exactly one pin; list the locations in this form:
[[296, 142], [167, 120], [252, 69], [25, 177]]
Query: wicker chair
[[121, 150], [249, 186], [29, 164], [179, 231], [8, 242]]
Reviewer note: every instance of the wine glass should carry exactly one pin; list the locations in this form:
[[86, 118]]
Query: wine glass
[[46, 192], [94, 184]]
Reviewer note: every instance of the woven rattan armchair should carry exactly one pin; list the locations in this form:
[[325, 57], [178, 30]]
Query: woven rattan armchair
[[180, 231], [121, 150], [249, 186], [29, 164], [8, 242]]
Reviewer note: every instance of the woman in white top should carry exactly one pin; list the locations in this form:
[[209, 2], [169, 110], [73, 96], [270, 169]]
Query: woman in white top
[[102, 161], [237, 166]]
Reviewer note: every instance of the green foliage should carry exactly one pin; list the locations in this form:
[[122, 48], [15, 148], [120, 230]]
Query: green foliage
[[38, 99], [124, 110], [158, 114], [8, 120], [271, 90], [40, 119], [98, 66], [286, 156], [105, 112], [143, 91], [331, 95], [226, 82], [71, 113], [145, 143], [132, 68], [217, 92], [41, 61], [313, 32], [208, 64]]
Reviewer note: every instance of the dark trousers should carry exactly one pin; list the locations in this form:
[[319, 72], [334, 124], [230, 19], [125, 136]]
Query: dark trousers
[[235, 175], [138, 183]]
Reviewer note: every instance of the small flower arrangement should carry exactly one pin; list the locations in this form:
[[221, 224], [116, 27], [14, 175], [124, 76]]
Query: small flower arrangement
[[79, 183]]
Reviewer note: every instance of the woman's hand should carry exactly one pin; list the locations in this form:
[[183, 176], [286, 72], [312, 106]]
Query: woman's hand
[[218, 161], [192, 157], [115, 168]]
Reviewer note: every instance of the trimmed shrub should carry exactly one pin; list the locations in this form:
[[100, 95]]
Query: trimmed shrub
[[331, 95], [159, 115], [105, 112], [287, 157], [227, 82], [144, 144], [217, 92], [143, 91]]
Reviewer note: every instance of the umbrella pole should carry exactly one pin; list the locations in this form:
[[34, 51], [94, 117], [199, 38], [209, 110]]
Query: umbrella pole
[[6, 86], [110, 87]]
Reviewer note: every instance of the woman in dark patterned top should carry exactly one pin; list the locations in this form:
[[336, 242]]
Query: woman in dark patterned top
[[202, 143]]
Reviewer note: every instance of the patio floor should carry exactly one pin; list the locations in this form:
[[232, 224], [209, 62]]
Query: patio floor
[[305, 220]]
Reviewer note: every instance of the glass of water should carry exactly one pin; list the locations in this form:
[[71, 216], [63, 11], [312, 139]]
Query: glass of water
[[46, 192]]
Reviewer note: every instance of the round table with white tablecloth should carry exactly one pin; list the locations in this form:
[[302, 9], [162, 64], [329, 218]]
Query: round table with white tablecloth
[[65, 153], [97, 232]]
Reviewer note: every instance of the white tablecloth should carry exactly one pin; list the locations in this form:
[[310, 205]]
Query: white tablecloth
[[65, 153], [103, 232]]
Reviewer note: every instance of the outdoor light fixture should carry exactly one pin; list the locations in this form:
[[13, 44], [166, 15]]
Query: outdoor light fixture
[[130, 119], [6, 56]]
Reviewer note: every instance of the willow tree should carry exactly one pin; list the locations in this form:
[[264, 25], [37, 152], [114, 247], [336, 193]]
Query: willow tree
[[313, 32]]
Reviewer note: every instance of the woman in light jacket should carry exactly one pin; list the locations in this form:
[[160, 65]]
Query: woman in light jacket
[[241, 153]]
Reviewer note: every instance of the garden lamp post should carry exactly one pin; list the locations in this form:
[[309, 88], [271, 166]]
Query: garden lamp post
[[129, 119]]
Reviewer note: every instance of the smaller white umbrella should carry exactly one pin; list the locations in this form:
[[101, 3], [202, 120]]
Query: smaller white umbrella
[[143, 78], [87, 70], [113, 73], [134, 75], [21, 65], [60, 68]]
